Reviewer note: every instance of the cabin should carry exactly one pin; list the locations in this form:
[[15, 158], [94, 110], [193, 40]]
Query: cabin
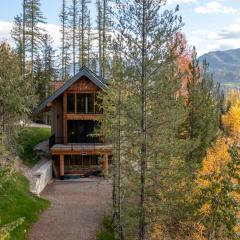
[[75, 147]]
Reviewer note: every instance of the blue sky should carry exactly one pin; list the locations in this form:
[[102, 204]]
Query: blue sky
[[209, 24]]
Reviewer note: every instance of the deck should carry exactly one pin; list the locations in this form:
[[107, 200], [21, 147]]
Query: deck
[[81, 148]]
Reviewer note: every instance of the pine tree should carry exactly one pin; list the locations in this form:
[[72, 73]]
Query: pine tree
[[115, 119], [24, 36], [99, 29], [89, 41], [16, 95], [104, 36], [48, 64], [44, 72], [65, 55], [151, 116], [17, 35], [205, 103], [84, 32], [33, 33], [103, 27], [73, 24]]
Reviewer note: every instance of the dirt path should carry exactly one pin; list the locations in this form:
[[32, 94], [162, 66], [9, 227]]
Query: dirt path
[[76, 212]]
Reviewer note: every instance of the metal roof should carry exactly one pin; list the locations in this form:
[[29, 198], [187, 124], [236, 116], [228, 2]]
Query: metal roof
[[98, 81]]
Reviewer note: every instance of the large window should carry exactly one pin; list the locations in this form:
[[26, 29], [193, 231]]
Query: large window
[[79, 131], [84, 103], [71, 103], [81, 103]]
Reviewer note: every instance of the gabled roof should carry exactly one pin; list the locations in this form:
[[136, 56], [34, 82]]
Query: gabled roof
[[98, 81]]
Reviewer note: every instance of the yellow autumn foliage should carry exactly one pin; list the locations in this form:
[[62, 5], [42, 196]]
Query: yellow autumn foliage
[[231, 120], [186, 230], [216, 160], [214, 166]]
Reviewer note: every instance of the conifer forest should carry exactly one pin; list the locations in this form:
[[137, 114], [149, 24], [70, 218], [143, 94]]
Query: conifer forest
[[174, 131]]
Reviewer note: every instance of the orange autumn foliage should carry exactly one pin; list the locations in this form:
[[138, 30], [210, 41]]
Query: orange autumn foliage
[[184, 60]]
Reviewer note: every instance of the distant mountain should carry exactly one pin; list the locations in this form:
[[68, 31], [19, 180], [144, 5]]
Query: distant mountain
[[225, 66]]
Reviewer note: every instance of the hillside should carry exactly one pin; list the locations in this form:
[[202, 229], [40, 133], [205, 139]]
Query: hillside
[[225, 66]]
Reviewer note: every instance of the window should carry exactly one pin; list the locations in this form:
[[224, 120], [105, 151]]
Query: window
[[85, 103], [79, 131], [71, 103], [81, 103]]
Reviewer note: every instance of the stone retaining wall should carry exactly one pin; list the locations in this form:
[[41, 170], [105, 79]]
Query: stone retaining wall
[[41, 177]]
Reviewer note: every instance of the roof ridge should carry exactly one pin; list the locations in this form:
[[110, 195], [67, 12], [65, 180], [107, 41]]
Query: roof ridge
[[88, 73]]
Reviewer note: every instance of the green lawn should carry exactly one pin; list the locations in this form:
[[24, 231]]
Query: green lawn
[[16, 202], [29, 138]]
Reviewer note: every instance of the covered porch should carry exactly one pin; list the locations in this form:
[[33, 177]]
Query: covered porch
[[81, 159]]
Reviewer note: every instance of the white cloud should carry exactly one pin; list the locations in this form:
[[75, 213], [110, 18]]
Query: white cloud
[[5, 29], [226, 38], [52, 29], [180, 1], [215, 7]]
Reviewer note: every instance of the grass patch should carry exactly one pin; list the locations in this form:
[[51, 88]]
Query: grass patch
[[16, 202], [27, 140], [107, 231]]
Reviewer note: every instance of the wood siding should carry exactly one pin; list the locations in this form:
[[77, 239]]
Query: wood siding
[[57, 117], [84, 85]]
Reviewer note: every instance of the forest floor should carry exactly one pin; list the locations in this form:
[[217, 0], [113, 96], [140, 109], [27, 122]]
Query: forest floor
[[76, 212]]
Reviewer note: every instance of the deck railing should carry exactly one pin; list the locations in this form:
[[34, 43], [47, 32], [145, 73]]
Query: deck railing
[[75, 140]]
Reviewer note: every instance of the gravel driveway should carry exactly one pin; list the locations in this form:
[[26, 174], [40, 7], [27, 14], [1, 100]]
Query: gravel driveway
[[76, 211]]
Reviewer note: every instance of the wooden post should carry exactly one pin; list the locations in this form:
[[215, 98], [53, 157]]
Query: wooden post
[[65, 118], [61, 167], [105, 165]]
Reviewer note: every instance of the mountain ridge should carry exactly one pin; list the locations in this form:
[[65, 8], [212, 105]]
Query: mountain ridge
[[225, 66]]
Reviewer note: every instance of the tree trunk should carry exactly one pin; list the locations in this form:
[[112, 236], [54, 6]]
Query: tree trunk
[[63, 40], [142, 225], [99, 37], [32, 40], [74, 36], [104, 38], [23, 64], [82, 29]]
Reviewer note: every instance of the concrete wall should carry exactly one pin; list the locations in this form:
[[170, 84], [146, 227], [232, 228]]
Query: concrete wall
[[41, 178], [57, 117]]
